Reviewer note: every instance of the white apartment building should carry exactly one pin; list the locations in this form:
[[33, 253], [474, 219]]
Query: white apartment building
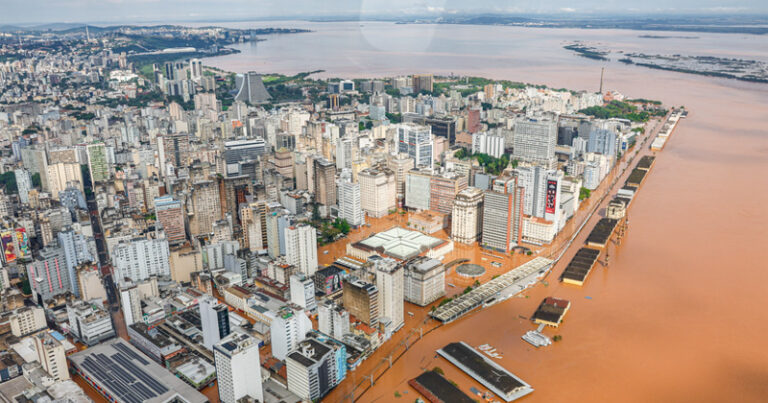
[[467, 216], [378, 191], [238, 368], [301, 248]]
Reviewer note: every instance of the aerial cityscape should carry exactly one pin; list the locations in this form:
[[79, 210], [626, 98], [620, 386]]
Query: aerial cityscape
[[250, 202]]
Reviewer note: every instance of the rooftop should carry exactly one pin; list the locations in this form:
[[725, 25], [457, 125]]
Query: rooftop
[[400, 243]]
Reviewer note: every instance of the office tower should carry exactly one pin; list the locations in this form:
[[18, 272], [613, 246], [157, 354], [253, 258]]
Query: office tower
[[76, 251], [244, 150], [287, 329], [274, 222], [422, 82], [97, 162], [48, 276], [324, 182], [333, 102], [206, 207], [400, 164], [502, 215], [389, 282], [251, 89], [89, 323], [535, 141], [196, 70], [602, 141], [174, 150], [533, 180], [140, 258], [35, 160], [552, 209], [61, 176], [214, 319], [51, 355], [473, 120], [332, 320], [361, 299], [312, 369], [303, 292], [377, 112], [170, 215], [238, 368], [443, 190], [423, 280], [346, 150], [283, 162], [444, 126], [350, 203], [170, 71], [23, 183], [488, 144], [489, 92], [416, 142], [130, 303], [378, 191], [301, 248], [418, 185], [467, 216]]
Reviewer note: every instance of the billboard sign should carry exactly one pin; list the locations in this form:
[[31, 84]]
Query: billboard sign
[[22, 240], [9, 246], [551, 197]]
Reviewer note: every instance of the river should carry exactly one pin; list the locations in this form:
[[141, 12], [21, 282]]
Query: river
[[680, 313]]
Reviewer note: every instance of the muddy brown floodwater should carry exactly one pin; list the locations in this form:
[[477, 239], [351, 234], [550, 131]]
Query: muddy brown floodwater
[[680, 313]]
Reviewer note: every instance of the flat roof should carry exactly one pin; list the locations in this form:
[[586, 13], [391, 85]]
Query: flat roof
[[438, 389], [491, 375], [400, 243], [129, 376]]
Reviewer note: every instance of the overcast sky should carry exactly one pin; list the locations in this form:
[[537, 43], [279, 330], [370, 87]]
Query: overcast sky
[[28, 11]]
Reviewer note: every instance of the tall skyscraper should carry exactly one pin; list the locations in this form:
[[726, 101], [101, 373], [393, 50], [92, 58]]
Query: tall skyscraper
[[48, 276], [205, 209], [535, 141], [97, 162], [238, 368], [361, 299], [196, 70], [422, 82], [467, 216], [324, 183], [400, 164], [170, 215], [61, 176], [23, 183], [502, 215], [350, 203], [378, 191], [389, 282], [301, 248], [416, 142], [76, 251], [287, 329], [485, 143], [214, 318]]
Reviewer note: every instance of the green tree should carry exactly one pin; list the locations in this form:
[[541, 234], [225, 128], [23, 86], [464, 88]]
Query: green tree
[[584, 193]]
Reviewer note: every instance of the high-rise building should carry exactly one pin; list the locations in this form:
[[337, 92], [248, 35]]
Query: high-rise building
[[76, 251], [350, 203], [250, 88], [238, 368], [324, 179], [61, 176], [196, 70], [346, 151], [130, 303], [174, 150], [302, 290], [534, 141], [473, 120], [389, 282], [485, 143], [301, 248], [400, 164], [502, 215], [214, 319], [467, 216], [51, 355], [416, 142], [287, 329], [89, 283], [312, 370], [332, 319], [422, 82], [443, 189], [48, 276], [170, 215], [418, 186], [97, 162], [140, 258], [378, 191], [23, 183], [361, 299], [27, 320], [423, 280], [205, 209]]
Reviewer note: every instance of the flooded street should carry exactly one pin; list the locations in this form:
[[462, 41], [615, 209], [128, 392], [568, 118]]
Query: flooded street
[[679, 314]]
